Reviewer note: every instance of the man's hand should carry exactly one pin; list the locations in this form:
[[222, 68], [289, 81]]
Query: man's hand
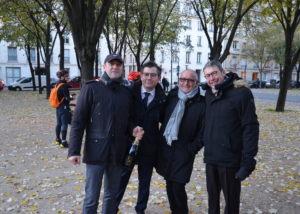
[[75, 160], [138, 132]]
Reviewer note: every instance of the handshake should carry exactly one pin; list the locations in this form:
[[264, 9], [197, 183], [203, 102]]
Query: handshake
[[138, 132]]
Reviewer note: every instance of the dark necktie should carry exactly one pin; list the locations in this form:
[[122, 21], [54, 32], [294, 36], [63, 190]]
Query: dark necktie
[[145, 100]]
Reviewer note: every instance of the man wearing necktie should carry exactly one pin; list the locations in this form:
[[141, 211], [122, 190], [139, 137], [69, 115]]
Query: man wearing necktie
[[149, 103]]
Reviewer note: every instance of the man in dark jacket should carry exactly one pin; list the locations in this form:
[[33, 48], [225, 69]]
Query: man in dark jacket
[[63, 112], [165, 83], [104, 111], [230, 136], [181, 139], [149, 103]]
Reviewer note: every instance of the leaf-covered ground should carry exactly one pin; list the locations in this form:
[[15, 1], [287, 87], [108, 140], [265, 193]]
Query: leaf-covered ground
[[35, 176]]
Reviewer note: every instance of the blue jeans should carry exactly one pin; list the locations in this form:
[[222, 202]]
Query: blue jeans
[[94, 174], [145, 174]]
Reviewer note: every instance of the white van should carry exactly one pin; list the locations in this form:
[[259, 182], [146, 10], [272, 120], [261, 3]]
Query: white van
[[25, 83]]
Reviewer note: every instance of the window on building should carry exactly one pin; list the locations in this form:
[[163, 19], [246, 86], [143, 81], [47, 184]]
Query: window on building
[[267, 65], [255, 65], [12, 74], [244, 62], [51, 57], [188, 9], [264, 76], [189, 24], [130, 58], [199, 26], [130, 68], [175, 56], [12, 54], [199, 41], [245, 32], [125, 59], [211, 28], [243, 74], [237, 32], [32, 55], [199, 57], [276, 65], [67, 56], [66, 39], [244, 46], [162, 56], [133, 67], [235, 44], [232, 63], [187, 57], [188, 39], [275, 76]]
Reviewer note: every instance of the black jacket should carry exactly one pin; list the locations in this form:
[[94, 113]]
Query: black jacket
[[149, 120], [231, 126], [105, 113], [63, 92], [175, 162]]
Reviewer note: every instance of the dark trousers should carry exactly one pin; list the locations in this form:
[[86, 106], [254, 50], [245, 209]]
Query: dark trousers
[[177, 197], [217, 178], [145, 174]]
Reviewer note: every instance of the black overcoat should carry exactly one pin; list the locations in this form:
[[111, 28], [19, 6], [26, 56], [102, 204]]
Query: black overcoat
[[175, 162]]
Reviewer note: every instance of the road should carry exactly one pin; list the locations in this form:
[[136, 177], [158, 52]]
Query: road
[[274, 97]]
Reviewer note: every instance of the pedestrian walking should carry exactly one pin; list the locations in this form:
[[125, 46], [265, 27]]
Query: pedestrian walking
[[104, 112], [63, 112], [149, 103], [166, 84], [230, 136], [181, 139]]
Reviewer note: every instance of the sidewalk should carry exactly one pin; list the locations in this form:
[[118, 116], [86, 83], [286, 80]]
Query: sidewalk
[[293, 92]]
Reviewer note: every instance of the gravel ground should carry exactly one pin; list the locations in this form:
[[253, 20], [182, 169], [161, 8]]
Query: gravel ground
[[35, 176]]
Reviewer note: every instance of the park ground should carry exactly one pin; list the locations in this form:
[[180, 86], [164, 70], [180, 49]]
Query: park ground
[[36, 177]]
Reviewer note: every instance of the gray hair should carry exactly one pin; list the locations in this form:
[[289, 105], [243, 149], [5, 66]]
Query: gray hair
[[213, 63]]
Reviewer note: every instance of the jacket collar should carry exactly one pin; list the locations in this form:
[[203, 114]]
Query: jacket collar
[[174, 93], [136, 87]]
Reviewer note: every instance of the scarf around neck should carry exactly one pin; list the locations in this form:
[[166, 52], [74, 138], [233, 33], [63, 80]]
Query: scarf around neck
[[172, 128], [113, 84]]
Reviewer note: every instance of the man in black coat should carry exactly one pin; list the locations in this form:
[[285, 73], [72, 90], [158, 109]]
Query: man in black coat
[[149, 102], [63, 112], [181, 139], [230, 136], [104, 111]]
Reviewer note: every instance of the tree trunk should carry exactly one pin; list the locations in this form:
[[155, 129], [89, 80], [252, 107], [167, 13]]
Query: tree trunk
[[31, 68], [87, 65], [298, 72], [96, 62], [47, 64], [39, 65], [62, 51], [152, 58]]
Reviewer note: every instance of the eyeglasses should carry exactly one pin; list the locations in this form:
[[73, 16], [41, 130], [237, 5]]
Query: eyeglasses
[[66, 76], [189, 81], [152, 75], [212, 74]]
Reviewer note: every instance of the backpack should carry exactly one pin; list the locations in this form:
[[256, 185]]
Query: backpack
[[53, 99]]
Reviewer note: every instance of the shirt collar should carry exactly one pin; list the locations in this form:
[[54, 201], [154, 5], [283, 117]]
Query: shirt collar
[[143, 90]]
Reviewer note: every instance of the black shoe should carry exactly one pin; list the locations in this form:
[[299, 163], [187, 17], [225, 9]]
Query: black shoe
[[58, 141], [64, 144]]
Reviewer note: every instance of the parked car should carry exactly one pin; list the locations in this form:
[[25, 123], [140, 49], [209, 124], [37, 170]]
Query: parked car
[[1, 84], [294, 84], [25, 83], [252, 84], [75, 82]]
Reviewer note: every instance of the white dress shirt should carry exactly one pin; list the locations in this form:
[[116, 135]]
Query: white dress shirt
[[150, 97]]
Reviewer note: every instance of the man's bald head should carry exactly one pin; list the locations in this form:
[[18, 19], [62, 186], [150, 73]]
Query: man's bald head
[[190, 71], [188, 80]]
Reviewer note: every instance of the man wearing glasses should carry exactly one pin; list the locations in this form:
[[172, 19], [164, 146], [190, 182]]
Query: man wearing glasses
[[230, 136], [149, 102], [181, 139]]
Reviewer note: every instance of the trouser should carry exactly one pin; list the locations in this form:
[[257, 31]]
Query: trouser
[[222, 178], [177, 197], [145, 174], [63, 117], [94, 174]]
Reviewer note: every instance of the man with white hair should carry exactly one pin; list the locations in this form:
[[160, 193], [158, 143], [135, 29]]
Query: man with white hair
[[181, 139]]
